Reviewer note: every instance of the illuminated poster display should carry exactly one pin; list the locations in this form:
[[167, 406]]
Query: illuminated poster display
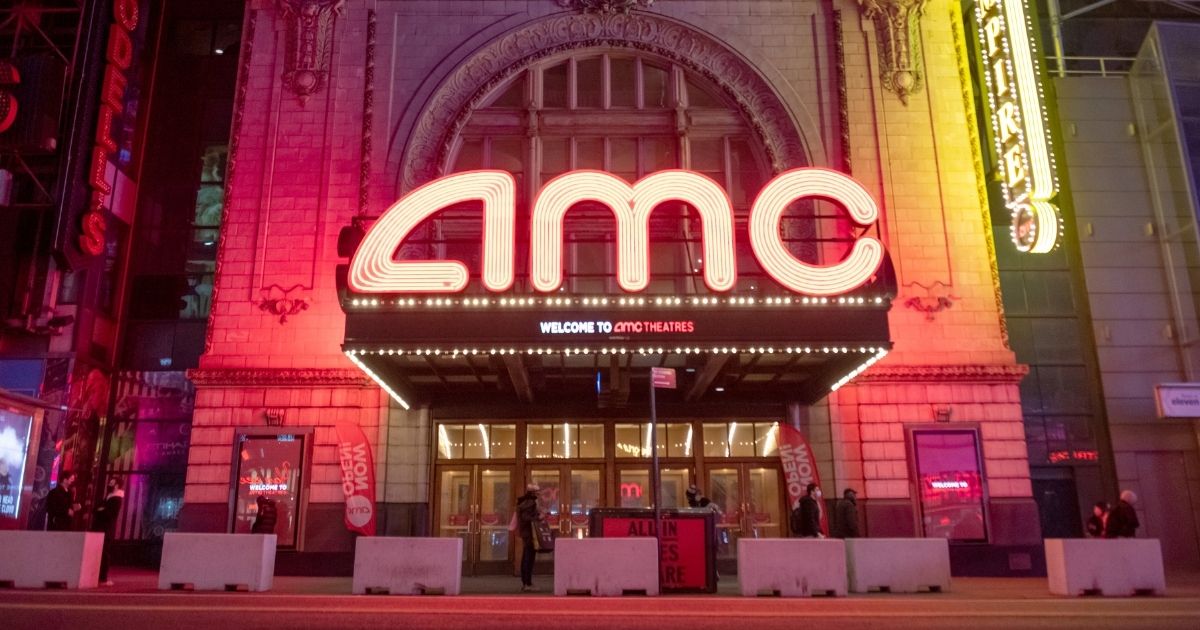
[[15, 429], [950, 482], [270, 466], [1019, 125], [687, 555]]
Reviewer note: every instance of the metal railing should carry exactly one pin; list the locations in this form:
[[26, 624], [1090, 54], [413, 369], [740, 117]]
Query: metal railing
[[1108, 67]]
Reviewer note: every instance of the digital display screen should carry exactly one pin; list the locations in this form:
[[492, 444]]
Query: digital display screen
[[14, 449], [950, 480], [270, 466]]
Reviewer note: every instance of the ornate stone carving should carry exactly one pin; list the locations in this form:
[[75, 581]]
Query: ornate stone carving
[[277, 300], [605, 6], [368, 118], [944, 373], [450, 106], [235, 136], [265, 377], [839, 49], [937, 298], [897, 25], [308, 26]]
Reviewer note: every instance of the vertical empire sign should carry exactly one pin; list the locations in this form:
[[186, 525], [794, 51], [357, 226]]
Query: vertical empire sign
[[1020, 128]]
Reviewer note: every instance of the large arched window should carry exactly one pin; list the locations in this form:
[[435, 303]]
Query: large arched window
[[629, 114]]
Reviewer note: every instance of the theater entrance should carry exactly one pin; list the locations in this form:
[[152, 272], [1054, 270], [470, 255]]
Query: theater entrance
[[475, 504], [751, 500]]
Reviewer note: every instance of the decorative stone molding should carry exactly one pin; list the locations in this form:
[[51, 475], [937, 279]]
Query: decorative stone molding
[[277, 300], [308, 26], [944, 373], [274, 416], [266, 377], [235, 139], [605, 6], [937, 298], [368, 118], [464, 89], [897, 25]]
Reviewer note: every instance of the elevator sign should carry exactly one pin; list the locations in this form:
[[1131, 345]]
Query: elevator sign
[[374, 269], [1020, 127]]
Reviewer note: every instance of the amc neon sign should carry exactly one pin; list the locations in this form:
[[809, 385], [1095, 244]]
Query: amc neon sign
[[374, 269]]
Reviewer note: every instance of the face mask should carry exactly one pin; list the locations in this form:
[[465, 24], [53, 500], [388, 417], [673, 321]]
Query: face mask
[[817, 493]]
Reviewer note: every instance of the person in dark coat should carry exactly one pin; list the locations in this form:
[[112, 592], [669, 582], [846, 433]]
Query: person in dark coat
[[268, 514], [693, 496], [847, 515], [1122, 521], [806, 518], [527, 515], [61, 505], [104, 519], [1095, 522]]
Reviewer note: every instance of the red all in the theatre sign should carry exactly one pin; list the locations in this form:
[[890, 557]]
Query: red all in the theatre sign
[[374, 269]]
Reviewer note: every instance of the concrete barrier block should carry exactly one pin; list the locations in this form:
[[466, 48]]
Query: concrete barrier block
[[35, 559], [214, 562], [407, 566], [1112, 567], [605, 566], [898, 565], [791, 567]]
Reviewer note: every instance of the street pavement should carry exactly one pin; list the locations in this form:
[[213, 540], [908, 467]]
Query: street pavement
[[493, 602]]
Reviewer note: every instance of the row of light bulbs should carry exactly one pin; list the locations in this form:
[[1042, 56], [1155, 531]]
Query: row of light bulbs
[[453, 353], [474, 302], [858, 370]]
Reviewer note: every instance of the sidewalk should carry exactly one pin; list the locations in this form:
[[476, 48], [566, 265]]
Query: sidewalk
[[133, 580]]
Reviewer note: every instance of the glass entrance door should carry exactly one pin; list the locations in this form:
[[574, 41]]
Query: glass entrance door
[[750, 499], [567, 494], [475, 504]]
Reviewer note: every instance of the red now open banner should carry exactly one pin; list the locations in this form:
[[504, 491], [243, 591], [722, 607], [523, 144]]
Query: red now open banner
[[358, 478], [799, 468]]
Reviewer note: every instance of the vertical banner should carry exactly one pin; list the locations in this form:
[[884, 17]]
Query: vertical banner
[[358, 478], [799, 468]]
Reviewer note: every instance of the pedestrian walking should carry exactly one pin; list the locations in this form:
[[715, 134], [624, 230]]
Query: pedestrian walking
[[104, 519], [268, 515], [527, 515], [61, 505], [806, 517], [847, 515], [1095, 523], [1122, 520], [693, 496]]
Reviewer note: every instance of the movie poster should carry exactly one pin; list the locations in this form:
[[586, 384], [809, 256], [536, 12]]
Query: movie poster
[[14, 449], [269, 466]]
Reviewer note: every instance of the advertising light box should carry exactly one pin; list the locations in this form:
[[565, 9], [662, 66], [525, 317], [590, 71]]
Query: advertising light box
[[15, 431]]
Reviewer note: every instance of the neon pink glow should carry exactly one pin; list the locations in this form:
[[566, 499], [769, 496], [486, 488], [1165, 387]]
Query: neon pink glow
[[865, 257], [374, 269], [632, 206]]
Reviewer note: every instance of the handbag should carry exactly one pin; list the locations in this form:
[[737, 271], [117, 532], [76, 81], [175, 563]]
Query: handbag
[[543, 536]]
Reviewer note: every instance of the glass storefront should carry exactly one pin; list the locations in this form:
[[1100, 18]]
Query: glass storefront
[[482, 467]]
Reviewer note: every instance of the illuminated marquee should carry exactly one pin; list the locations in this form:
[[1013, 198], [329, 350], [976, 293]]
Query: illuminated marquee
[[1019, 123], [374, 269]]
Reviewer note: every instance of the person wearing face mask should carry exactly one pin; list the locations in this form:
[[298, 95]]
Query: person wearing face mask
[[806, 518]]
